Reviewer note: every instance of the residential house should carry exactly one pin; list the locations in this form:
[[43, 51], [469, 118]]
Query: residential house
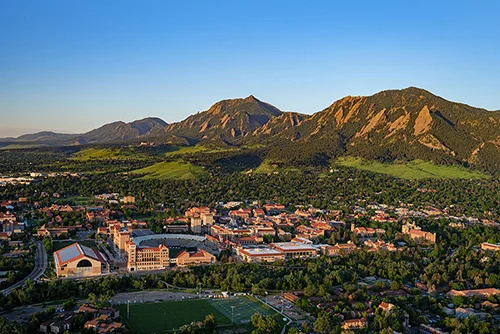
[[355, 324]]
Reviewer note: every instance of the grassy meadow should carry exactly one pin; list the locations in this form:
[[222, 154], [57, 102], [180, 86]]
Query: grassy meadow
[[167, 316], [171, 170], [417, 169], [267, 167], [94, 153]]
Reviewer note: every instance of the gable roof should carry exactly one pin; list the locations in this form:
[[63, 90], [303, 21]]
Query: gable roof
[[75, 252], [198, 253]]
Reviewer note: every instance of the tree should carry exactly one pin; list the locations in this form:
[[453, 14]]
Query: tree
[[396, 284], [257, 289], [69, 305], [187, 329], [210, 324], [47, 244], [92, 298], [458, 301], [264, 324], [305, 327], [310, 290], [326, 322]]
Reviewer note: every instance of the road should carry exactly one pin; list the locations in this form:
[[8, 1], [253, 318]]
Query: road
[[23, 313], [41, 262]]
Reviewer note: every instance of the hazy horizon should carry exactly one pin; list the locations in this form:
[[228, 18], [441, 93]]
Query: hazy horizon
[[72, 67], [16, 132]]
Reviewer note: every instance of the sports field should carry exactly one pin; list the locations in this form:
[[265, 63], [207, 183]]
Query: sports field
[[244, 308], [167, 316]]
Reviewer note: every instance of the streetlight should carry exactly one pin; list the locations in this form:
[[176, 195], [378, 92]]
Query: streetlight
[[143, 288], [266, 297], [232, 315]]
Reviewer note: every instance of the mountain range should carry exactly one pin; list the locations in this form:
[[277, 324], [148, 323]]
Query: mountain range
[[108, 133], [392, 125]]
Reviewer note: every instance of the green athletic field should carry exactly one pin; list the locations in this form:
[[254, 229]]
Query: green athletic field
[[167, 316], [244, 308]]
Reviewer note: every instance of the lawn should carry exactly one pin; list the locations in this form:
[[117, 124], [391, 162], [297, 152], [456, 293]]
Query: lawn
[[244, 308], [186, 150], [158, 317], [21, 146], [171, 170], [193, 149], [77, 200], [267, 167], [417, 169], [93, 153]]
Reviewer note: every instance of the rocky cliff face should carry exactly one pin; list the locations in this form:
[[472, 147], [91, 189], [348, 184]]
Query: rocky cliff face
[[391, 125], [227, 120]]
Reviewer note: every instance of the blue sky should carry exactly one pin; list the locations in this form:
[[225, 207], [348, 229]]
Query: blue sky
[[74, 65]]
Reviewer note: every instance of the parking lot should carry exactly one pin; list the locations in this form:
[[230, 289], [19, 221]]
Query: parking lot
[[286, 307], [151, 296]]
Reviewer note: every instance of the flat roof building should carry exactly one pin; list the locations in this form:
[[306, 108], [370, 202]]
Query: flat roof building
[[260, 254], [488, 246], [294, 249]]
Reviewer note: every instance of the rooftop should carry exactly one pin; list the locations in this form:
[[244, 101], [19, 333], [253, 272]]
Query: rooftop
[[76, 251], [293, 246], [260, 252]]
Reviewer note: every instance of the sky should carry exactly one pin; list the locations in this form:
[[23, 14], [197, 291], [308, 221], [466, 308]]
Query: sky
[[71, 66]]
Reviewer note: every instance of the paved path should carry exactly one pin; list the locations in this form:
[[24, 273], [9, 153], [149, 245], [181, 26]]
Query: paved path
[[151, 296], [41, 262], [23, 313]]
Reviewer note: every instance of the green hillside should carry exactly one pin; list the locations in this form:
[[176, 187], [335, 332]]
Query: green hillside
[[416, 169], [171, 170], [267, 167], [175, 150], [94, 153]]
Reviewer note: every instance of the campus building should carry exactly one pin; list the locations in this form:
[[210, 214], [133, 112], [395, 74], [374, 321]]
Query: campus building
[[294, 249], [80, 261], [260, 254], [120, 238], [51, 231], [415, 232], [338, 249], [354, 324], [147, 258], [201, 256], [490, 247], [200, 217], [475, 292]]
